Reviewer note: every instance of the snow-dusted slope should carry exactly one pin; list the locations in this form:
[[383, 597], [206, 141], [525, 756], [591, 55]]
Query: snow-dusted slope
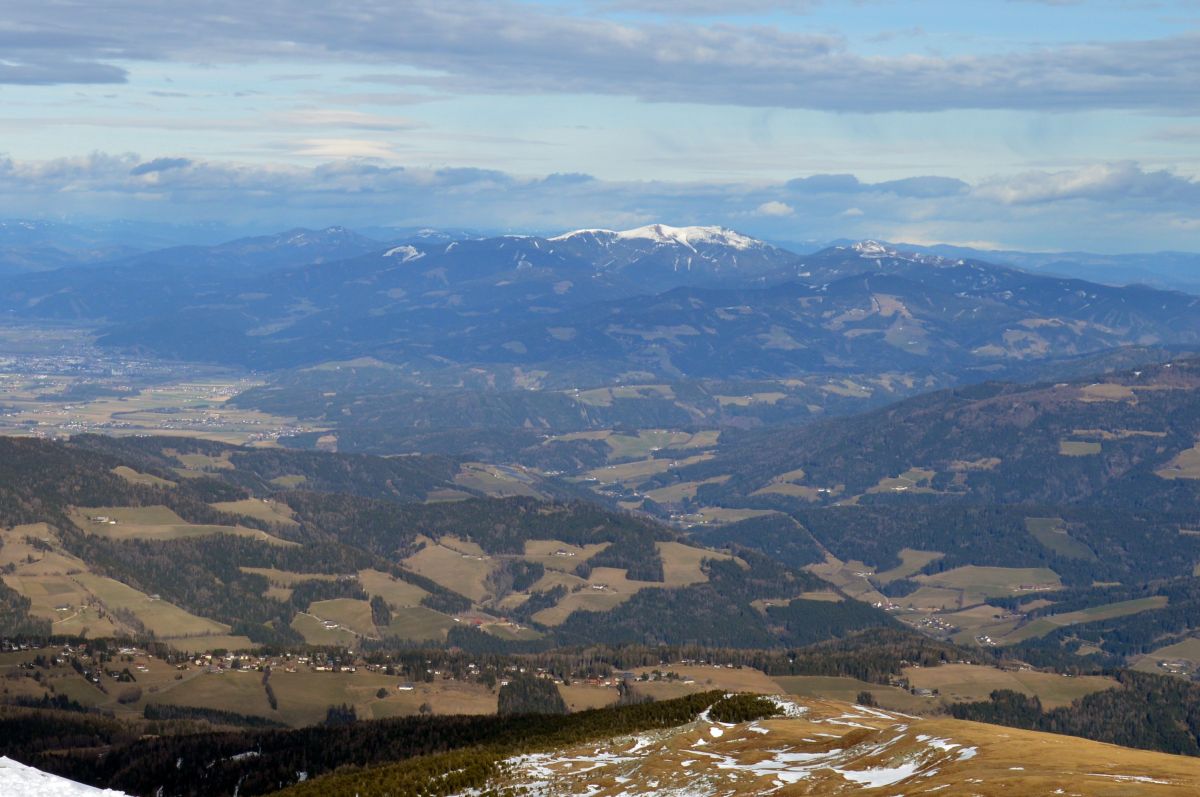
[[663, 234], [659, 256], [18, 780], [826, 748]]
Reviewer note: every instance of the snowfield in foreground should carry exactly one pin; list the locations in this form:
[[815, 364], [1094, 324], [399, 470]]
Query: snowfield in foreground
[[18, 780]]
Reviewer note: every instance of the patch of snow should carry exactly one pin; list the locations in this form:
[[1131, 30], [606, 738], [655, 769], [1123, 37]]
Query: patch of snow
[[788, 708], [1130, 778], [405, 253], [884, 776], [18, 780], [663, 234]]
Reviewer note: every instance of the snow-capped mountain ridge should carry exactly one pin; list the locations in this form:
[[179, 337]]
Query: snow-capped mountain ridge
[[667, 235]]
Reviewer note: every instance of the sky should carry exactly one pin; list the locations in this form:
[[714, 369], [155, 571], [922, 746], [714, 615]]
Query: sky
[[1024, 124]]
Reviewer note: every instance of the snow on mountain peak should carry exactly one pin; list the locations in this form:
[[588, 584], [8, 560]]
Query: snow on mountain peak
[[872, 249], [667, 235], [406, 253]]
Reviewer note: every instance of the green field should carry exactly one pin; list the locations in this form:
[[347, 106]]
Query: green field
[[911, 562], [418, 623], [1052, 533], [353, 615], [1044, 625], [315, 632], [397, 593], [260, 509], [133, 477], [1078, 448], [156, 523], [980, 583]]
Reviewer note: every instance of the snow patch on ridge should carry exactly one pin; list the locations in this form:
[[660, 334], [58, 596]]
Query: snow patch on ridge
[[663, 234]]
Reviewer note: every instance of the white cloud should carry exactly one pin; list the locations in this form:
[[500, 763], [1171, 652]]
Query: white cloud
[[502, 46], [1107, 207], [1103, 181], [775, 208]]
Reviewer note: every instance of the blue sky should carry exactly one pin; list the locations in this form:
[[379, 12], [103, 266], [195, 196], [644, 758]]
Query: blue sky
[[1051, 125]]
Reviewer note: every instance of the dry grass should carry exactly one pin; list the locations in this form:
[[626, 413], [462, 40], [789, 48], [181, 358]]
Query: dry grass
[[418, 623], [350, 614], [720, 514], [1107, 391], [287, 578], [980, 583], [681, 490], [681, 563], [848, 689], [497, 481], [260, 509], [558, 555], [315, 633], [1185, 465], [134, 477], [837, 748], [971, 682], [397, 593], [464, 573], [1078, 448], [1044, 625], [911, 562], [155, 523], [579, 697], [157, 615]]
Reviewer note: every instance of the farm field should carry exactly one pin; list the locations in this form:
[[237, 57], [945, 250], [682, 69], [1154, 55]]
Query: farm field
[[464, 573], [1053, 534], [316, 631], [1078, 448], [498, 481], [970, 682], [1044, 625], [580, 697], [260, 509], [154, 523], [980, 583], [911, 562], [1185, 465], [397, 593], [850, 577], [190, 406], [558, 555], [701, 678], [353, 615], [134, 477], [1180, 658], [418, 623], [288, 578], [680, 491], [848, 689]]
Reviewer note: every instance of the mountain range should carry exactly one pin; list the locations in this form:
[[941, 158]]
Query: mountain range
[[595, 306]]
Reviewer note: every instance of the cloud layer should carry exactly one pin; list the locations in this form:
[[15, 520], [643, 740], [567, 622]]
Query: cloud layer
[[507, 47], [1118, 206]]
